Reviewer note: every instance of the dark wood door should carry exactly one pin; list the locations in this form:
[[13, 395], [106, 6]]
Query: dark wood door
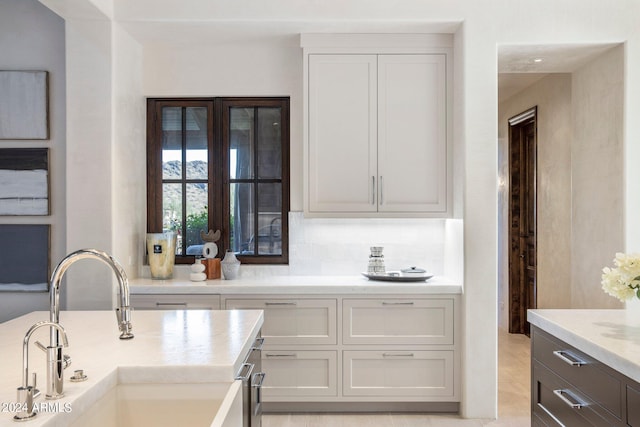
[[522, 219]]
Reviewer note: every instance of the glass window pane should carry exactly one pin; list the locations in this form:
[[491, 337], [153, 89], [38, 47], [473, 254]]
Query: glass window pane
[[242, 218], [270, 219], [171, 142], [269, 143], [172, 211], [197, 217], [241, 141], [196, 140]]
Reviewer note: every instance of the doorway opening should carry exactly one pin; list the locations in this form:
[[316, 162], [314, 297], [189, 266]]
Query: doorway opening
[[522, 219]]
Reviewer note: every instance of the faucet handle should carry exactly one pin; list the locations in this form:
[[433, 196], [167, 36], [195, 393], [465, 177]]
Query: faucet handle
[[40, 346], [66, 361], [35, 391]]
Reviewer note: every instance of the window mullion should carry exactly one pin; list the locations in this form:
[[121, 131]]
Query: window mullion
[[256, 217], [183, 243]]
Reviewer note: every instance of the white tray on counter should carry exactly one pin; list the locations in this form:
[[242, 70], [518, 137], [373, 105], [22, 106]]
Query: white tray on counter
[[392, 276]]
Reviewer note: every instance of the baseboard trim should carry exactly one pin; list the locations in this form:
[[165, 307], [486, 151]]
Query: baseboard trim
[[422, 407]]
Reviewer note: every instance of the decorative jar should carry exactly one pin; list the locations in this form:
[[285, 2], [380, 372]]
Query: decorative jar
[[230, 265], [161, 250]]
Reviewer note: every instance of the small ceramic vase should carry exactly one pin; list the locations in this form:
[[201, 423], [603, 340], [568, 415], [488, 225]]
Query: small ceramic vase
[[197, 272], [230, 266]]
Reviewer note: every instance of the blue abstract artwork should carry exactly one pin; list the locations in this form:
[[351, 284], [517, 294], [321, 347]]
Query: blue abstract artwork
[[24, 257]]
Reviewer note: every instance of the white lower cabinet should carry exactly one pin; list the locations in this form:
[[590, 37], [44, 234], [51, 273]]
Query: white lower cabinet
[[398, 373], [300, 373], [409, 321], [338, 348], [295, 321]]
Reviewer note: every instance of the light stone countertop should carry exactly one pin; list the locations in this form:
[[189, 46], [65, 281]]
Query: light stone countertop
[[610, 336], [304, 285], [177, 346]]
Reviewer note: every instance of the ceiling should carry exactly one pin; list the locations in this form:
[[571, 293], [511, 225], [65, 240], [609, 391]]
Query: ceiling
[[520, 66]]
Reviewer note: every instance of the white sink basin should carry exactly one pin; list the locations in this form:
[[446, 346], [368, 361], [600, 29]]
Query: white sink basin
[[209, 404]]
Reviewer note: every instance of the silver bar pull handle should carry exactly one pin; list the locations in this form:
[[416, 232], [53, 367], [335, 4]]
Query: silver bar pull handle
[[280, 303], [245, 371], [397, 354], [161, 304], [281, 355], [256, 384], [258, 379], [397, 303], [373, 190], [572, 360], [575, 405], [258, 343], [381, 187]]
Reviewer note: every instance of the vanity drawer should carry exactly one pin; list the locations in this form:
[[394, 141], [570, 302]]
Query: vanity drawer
[[398, 321], [588, 375], [555, 401]]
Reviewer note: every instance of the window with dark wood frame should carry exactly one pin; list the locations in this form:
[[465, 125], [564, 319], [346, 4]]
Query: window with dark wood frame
[[220, 164]]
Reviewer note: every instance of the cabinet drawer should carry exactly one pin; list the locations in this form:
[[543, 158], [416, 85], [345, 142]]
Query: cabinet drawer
[[398, 321], [398, 373], [585, 373], [294, 321], [633, 407], [175, 302], [292, 373], [553, 399]]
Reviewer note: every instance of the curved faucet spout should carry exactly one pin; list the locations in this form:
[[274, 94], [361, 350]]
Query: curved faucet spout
[[123, 311]]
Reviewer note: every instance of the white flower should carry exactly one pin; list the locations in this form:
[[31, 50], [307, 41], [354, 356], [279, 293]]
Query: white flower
[[623, 281]]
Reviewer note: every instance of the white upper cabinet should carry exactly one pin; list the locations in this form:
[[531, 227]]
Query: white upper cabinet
[[377, 128], [412, 133], [342, 133]]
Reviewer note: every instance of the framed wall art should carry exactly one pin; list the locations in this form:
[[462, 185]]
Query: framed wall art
[[24, 181], [24, 105], [24, 257]]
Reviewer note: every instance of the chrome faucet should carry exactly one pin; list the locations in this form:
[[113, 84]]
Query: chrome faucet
[[123, 312], [27, 393]]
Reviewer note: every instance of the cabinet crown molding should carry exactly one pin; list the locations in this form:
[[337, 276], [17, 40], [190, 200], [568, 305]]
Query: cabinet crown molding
[[350, 42]]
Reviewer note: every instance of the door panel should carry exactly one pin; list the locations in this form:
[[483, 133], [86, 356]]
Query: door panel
[[412, 139], [522, 220], [342, 133]]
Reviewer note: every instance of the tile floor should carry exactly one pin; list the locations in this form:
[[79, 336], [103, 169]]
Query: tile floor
[[513, 400]]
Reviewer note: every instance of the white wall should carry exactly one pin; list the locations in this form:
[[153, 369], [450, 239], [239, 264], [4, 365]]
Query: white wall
[[597, 176], [32, 38], [89, 159], [129, 154]]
